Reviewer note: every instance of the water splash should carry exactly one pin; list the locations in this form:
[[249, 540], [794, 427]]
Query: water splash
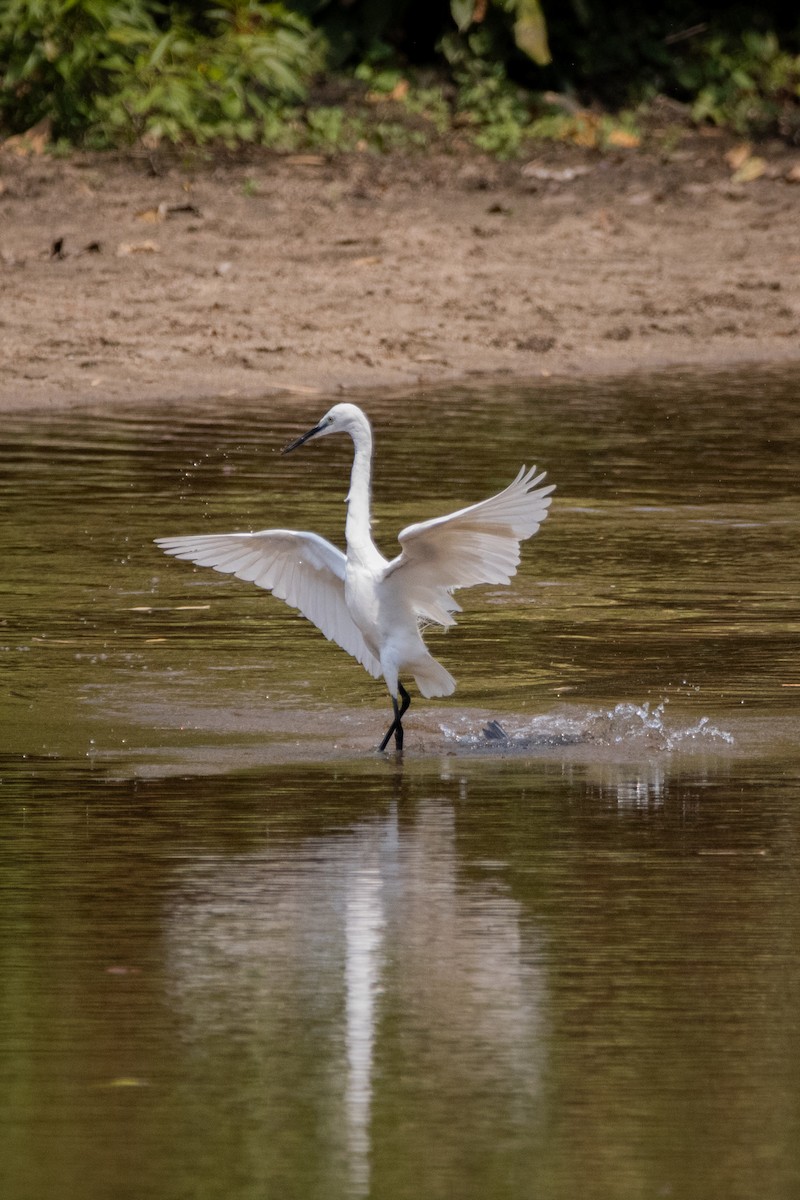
[[635, 726]]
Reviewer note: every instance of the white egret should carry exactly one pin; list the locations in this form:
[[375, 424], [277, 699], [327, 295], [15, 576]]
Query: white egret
[[373, 607]]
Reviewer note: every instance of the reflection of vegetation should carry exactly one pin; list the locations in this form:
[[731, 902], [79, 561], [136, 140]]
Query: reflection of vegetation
[[395, 73]]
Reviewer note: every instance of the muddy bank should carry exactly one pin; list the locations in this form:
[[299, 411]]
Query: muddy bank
[[301, 274]]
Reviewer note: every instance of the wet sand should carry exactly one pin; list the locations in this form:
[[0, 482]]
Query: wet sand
[[243, 279]]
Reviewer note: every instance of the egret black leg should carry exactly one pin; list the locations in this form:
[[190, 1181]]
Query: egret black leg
[[396, 726], [405, 700], [392, 729]]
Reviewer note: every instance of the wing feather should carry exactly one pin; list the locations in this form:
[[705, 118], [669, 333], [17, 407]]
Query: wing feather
[[477, 544], [301, 568]]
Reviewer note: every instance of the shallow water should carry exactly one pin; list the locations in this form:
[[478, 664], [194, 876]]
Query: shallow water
[[245, 956]]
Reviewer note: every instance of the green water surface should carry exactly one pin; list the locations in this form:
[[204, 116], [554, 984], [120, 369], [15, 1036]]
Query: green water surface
[[244, 956]]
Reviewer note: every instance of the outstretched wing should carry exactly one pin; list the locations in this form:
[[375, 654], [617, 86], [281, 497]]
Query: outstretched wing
[[478, 544], [301, 568]]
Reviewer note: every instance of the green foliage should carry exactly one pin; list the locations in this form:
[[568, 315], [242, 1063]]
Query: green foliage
[[410, 72], [430, 104], [530, 29], [527, 20], [497, 110], [592, 130], [227, 85], [109, 70], [56, 54], [332, 129], [747, 83]]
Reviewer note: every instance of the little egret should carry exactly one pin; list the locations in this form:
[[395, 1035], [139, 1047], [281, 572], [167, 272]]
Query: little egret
[[373, 607]]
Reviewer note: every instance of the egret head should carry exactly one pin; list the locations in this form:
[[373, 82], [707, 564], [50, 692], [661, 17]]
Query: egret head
[[342, 418]]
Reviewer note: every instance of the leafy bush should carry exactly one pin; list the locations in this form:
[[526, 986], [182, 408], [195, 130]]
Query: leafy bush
[[56, 55], [227, 85], [400, 72], [748, 84], [109, 70], [498, 110]]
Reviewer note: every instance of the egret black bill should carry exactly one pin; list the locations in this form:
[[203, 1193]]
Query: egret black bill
[[304, 437]]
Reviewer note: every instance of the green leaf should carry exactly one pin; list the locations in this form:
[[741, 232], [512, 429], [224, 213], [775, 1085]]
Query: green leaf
[[530, 32], [462, 11]]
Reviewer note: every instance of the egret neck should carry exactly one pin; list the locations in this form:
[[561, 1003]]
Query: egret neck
[[361, 549]]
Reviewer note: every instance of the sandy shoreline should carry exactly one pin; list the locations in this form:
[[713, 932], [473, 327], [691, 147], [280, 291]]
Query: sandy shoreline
[[309, 276]]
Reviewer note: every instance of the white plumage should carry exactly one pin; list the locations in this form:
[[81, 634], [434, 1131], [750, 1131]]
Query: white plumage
[[368, 605]]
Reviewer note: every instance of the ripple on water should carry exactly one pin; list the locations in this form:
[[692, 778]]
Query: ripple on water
[[578, 937]]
